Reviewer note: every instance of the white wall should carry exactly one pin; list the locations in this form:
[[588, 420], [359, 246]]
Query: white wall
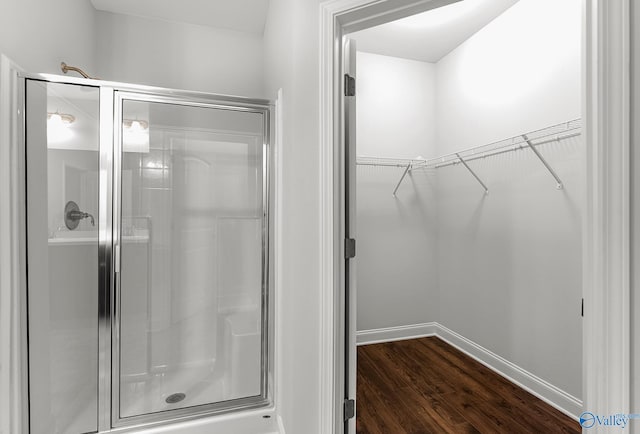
[[396, 262], [510, 262], [291, 63], [176, 55], [38, 34], [520, 73], [396, 106]]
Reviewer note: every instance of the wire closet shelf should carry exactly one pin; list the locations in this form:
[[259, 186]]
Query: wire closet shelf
[[530, 140]]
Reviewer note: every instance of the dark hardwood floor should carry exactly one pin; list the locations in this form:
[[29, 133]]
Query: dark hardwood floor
[[427, 386]]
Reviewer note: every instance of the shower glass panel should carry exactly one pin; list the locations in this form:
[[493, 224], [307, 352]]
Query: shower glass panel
[[62, 162], [192, 291]]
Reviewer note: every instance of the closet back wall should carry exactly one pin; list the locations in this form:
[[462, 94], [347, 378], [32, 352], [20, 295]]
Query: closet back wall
[[511, 262], [396, 265]]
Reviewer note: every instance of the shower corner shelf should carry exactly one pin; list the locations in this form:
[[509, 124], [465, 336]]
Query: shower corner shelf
[[530, 140]]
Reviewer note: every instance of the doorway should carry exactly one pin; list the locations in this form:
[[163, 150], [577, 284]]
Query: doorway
[[469, 187], [353, 18]]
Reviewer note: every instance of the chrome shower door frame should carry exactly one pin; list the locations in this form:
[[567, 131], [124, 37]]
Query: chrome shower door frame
[[261, 400], [112, 95]]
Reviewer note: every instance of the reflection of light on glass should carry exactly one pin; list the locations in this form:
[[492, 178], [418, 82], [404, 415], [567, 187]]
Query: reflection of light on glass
[[437, 17], [58, 127], [135, 136], [155, 165]]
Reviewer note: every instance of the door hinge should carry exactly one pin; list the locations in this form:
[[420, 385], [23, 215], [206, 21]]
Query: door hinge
[[349, 409], [349, 248], [349, 85]]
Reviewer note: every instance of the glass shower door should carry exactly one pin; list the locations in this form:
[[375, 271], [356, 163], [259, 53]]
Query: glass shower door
[[147, 255], [62, 164], [191, 297]]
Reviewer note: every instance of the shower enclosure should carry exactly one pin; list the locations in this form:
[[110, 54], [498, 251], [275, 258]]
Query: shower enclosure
[[147, 254]]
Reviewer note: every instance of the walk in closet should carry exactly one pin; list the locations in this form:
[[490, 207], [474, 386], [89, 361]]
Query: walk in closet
[[470, 197]]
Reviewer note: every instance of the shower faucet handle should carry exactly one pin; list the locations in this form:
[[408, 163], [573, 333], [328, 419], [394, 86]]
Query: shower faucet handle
[[82, 215], [73, 215]]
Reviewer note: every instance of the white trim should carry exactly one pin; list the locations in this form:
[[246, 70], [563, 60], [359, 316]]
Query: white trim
[[392, 334], [278, 300], [10, 267], [547, 392], [5, 249], [330, 370], [606, 331], [326, 378]]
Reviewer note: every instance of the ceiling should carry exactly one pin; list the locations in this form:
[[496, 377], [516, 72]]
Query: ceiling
[[241, 15], [431, 35]]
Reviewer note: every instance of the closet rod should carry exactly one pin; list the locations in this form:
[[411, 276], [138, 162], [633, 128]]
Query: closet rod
[[386, 162], [531, 140], [371, 163], [548, 135], [551, 134], [511, 148]]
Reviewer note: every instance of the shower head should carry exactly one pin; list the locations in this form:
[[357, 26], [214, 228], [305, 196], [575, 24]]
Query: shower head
[[66, 68]]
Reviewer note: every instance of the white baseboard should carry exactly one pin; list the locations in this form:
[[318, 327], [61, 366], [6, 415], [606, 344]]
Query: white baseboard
[[391, 334], [552, 395]]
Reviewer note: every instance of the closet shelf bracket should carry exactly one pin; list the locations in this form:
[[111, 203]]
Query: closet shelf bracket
[[406, 170], [559, 185], [486, 190]]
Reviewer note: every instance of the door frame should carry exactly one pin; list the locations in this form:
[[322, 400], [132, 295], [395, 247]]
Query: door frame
[[606, 224], [12, 241], [114, 144]]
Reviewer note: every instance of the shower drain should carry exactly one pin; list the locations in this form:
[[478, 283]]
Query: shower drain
[[175, 397]]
